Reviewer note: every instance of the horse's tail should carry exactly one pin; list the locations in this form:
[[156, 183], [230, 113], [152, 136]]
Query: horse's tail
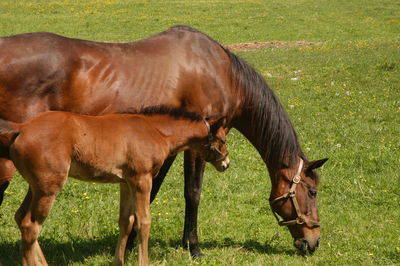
[[8, 132]]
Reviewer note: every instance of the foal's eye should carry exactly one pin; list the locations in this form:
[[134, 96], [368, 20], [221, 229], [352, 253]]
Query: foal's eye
[[312, 193], [223, 142]]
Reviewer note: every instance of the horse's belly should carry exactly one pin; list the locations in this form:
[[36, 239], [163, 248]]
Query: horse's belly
[[88, 173]]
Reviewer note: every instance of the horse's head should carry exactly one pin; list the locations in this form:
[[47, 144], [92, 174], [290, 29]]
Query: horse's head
[[216, 151], [294, 198]]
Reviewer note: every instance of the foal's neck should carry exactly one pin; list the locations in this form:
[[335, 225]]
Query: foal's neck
[[180, 133]]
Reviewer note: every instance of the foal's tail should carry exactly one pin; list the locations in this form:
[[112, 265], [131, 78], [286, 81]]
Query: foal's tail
[[8, 132]]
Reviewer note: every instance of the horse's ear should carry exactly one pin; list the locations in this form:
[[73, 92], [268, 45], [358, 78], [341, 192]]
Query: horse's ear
[[216, 123], [315, 164]]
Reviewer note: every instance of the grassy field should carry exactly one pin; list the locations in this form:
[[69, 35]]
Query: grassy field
[[343, 96]]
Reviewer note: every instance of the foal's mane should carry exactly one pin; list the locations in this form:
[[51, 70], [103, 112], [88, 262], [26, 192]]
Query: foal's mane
[[164, 110]]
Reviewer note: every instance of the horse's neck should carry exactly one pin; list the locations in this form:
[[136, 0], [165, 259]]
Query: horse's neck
[[247, 128], [252, 131], [180, 134]]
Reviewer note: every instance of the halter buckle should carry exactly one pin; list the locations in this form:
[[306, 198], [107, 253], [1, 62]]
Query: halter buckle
[[296, 179], [300, 220]]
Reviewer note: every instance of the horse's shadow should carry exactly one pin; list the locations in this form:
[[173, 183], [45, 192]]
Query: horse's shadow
[[78, 250], [250, 245]]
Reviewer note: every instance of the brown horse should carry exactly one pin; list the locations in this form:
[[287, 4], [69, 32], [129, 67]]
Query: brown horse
[[117, 148], [180, 67]]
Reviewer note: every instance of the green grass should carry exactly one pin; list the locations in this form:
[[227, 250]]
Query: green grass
[[227, 21], [344, 103]]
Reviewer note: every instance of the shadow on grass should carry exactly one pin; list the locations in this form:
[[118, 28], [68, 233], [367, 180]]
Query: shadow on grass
[[393, 255], [78, 250], [62, 253], [248, 245]]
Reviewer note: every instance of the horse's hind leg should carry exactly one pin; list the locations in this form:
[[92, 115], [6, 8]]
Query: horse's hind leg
[[126, 220], [7, 171]]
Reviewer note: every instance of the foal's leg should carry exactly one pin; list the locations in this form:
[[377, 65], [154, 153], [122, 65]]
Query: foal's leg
[[126, 219], [157, 181], [30, 256], [30, 219], [32, 213], [194, 169], [141, 188], [7, 171]]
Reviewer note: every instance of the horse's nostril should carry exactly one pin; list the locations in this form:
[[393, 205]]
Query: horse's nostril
[[304, 245], [317, 245]]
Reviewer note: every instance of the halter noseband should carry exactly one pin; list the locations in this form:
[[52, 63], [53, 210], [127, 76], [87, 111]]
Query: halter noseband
[[300, 219]]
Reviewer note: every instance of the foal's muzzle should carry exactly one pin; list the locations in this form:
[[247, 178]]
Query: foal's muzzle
[[222, 165]]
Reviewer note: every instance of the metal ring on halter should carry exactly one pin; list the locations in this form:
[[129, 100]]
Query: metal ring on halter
[[300, 219]]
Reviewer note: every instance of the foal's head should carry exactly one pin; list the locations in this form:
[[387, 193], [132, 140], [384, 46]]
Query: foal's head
[[294, 198], [215, 150]]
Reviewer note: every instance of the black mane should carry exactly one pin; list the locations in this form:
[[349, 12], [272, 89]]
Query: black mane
[[274, 134], [164, 110], [272, 131]]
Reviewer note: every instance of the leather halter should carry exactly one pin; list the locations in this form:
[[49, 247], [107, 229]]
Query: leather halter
[[212, 150], [300, 219]]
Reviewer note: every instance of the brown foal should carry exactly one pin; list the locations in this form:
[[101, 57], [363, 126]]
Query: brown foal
[[128, 149]]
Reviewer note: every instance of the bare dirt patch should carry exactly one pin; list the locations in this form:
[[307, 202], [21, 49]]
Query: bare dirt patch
[[245, 46]]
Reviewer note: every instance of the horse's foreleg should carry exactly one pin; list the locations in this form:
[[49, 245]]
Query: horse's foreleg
[[7, 171], [141, 188], [154, 190], [194, 169], [126, 220]]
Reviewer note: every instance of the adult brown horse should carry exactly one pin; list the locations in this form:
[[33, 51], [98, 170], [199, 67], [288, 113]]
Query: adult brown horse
[[54, 145], [180, 67]]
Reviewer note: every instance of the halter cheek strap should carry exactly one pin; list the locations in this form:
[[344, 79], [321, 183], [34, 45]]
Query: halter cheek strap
[[207, 126], [300, 219]]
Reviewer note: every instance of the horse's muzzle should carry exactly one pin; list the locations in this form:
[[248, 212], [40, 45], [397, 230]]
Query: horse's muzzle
[[305, 246]]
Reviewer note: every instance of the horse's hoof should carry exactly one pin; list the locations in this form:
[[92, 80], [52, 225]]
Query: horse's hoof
[[196, 253]]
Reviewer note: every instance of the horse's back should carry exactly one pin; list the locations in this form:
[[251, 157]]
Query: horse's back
[[44, 71]]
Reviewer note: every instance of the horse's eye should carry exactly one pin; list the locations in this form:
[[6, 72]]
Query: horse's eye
[[312, 193]]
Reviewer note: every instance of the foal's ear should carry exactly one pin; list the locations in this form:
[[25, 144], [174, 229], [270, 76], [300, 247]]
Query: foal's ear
[[315, 164], [216, 123]]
